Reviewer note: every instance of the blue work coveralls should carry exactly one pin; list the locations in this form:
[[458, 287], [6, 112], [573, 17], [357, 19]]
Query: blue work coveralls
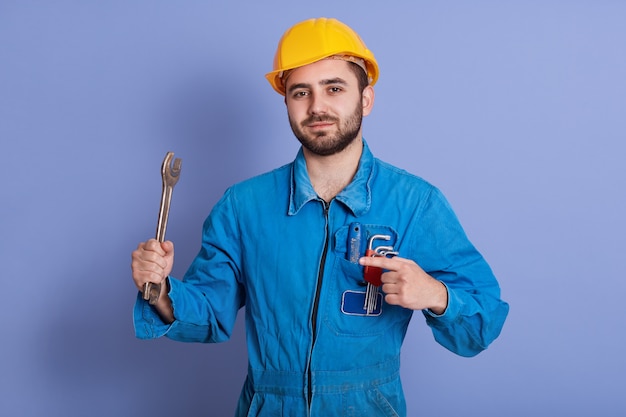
[[272, 245]]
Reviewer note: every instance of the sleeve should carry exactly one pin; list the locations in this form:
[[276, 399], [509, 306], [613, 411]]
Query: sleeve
[[211, 293], [475, 313]]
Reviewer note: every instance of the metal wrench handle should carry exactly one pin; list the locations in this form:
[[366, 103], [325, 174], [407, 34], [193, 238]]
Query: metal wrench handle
[[164, 211], [170, 175]]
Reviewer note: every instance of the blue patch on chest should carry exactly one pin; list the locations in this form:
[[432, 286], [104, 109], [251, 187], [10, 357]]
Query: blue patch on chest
[[353, 304]]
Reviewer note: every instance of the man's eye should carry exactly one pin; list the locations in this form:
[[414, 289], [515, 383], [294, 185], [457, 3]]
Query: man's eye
[[335, 89], [300, 94]]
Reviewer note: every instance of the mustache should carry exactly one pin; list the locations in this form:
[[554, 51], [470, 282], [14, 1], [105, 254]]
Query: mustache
[[317, 119]]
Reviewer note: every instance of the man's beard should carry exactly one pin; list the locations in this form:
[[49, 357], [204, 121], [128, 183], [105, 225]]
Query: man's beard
[[324, 144]]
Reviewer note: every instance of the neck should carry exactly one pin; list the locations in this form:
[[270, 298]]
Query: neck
[[331, 174]]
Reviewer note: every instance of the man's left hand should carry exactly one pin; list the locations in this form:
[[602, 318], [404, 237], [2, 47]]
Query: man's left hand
[[406, 284]]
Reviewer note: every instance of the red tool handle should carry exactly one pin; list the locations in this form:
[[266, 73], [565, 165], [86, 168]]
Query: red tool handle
[[372, 274]]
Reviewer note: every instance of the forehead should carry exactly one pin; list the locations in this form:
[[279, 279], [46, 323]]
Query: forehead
[[325, 69]]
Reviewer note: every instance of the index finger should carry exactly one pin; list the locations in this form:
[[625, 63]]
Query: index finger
[[383, 262], [154, 245]]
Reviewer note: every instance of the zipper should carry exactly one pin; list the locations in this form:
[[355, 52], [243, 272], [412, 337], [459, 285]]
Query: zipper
[[320, 277]]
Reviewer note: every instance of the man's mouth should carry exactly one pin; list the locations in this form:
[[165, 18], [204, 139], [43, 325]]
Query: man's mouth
[[318, 123]]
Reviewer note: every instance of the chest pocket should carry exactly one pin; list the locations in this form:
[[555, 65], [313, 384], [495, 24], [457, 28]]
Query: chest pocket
[[346, 290]]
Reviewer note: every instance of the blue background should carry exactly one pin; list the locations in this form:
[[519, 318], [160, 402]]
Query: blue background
[[515, 109]]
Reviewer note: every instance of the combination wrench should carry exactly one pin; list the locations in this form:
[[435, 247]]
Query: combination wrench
[[170, 174]]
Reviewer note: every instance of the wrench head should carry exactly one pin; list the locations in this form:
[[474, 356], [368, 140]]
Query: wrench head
[[171, 171]]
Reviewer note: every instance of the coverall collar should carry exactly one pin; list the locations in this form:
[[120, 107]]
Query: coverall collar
[[356, 196]]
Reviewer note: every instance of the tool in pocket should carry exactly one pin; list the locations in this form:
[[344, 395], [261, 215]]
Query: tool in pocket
[[372, 274]]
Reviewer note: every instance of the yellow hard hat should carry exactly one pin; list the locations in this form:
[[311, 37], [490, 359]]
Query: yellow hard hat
[[315, 39]]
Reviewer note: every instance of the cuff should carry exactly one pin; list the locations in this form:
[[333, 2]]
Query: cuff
[[147, 322], [452, 310]]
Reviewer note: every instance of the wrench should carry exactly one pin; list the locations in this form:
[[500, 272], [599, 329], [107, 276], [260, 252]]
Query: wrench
[[170, 174]]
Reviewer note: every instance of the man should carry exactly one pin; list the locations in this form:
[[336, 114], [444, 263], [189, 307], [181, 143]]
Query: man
[[321, 341]]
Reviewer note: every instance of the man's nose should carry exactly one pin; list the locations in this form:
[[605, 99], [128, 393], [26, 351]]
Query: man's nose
[[318, 104]]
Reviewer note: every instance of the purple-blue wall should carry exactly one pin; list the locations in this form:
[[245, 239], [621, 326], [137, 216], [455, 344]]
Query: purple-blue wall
[[516, 110]]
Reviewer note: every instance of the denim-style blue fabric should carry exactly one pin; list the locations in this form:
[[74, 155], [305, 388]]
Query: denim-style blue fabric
[[272, 245]]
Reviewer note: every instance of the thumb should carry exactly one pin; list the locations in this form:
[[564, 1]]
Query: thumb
[[168, 247]]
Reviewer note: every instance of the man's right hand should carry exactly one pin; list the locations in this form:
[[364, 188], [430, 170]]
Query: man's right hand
[[152, 262]]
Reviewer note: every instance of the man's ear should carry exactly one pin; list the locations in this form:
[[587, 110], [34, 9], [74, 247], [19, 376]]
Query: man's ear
[[367, 100]]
